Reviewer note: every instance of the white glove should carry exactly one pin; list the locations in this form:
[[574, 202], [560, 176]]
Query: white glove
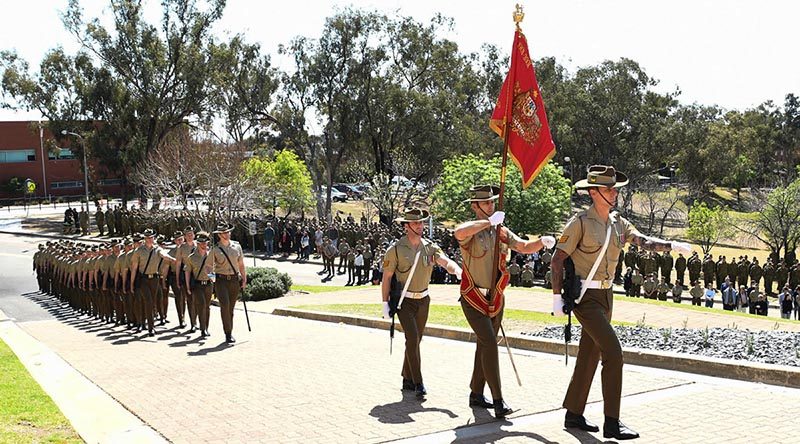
[[548, 241], [458, 271], [681, 247], [497, 218], [386, 310], [558, 305]]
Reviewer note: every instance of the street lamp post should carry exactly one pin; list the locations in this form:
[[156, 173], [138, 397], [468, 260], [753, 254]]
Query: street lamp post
[[85, 165]]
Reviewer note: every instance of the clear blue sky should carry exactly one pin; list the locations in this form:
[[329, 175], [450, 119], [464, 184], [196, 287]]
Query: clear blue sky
[[734, 53]]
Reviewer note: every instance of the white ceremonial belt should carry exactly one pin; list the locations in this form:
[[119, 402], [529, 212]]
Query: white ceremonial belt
[[603, 285], [420, 295]]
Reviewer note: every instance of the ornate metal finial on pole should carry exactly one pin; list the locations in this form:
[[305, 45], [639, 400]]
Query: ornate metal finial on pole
[[518, 15]]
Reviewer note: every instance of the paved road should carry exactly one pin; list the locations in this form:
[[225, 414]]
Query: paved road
[[16, 278]]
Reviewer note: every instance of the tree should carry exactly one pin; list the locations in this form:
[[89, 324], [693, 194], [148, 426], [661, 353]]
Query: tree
[[541, 208], [181, 165], [244, 85], [139, 80], [658, 203], [282, 181], [707, 225], [777, 221]]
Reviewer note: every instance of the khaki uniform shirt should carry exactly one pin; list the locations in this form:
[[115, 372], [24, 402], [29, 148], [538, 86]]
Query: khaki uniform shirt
[[477, 251], [399, 259], [184, 251], [140, 257], [193, 263], [584, 247], [221, 264]]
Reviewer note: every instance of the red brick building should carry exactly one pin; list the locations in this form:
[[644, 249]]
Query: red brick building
[[24, 154]]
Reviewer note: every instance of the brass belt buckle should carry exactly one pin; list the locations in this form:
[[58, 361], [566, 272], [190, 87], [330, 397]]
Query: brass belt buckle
[[605, 285]]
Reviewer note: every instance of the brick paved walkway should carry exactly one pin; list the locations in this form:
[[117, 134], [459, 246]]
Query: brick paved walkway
[[293, 380]]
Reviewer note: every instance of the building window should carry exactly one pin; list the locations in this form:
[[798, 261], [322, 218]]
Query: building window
[[67, 184], [61, 154], [110, 182], [14, 156]]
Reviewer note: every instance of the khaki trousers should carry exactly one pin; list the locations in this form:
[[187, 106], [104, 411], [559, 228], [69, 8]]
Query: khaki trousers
[[598, 340], [227, 291], [146, 300], [180, 300], [189, 306], [201, 297], [486, 368], [413, 316]]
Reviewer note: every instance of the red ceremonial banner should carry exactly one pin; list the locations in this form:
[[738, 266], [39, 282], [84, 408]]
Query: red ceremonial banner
[[529, 142]]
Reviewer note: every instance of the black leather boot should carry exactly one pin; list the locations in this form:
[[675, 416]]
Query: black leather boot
[[575, 421], [420, 391], [614, 428], [408, 384], [501, 409], [478, 400]]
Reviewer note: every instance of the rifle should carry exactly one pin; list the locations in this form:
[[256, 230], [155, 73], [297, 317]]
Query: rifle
[[570, 291]]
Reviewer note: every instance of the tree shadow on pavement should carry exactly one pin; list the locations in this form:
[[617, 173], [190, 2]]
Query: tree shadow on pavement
[[400, 412]]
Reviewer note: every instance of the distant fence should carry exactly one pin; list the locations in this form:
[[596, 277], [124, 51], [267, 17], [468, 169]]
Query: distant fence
[[52, 202]]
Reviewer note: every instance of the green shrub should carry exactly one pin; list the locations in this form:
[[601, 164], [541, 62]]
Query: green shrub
[[265, 283]]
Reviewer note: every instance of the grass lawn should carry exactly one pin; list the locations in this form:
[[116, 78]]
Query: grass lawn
[[451, 315], [27, 414]]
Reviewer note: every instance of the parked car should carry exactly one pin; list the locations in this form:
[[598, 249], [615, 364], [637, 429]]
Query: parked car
[[351, 190], [336, 195]]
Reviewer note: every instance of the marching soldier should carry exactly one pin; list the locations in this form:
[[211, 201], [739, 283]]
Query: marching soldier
[[144, 268], [484, 315], [413, 314], [183, 299], [198, 279], [593, 239], [171, 279], [231, 276]]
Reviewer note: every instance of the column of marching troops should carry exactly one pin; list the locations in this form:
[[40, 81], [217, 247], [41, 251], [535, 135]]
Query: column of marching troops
[[127, 281]]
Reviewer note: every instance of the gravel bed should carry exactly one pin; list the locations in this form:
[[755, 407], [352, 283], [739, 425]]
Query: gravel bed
[[771, 347]]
